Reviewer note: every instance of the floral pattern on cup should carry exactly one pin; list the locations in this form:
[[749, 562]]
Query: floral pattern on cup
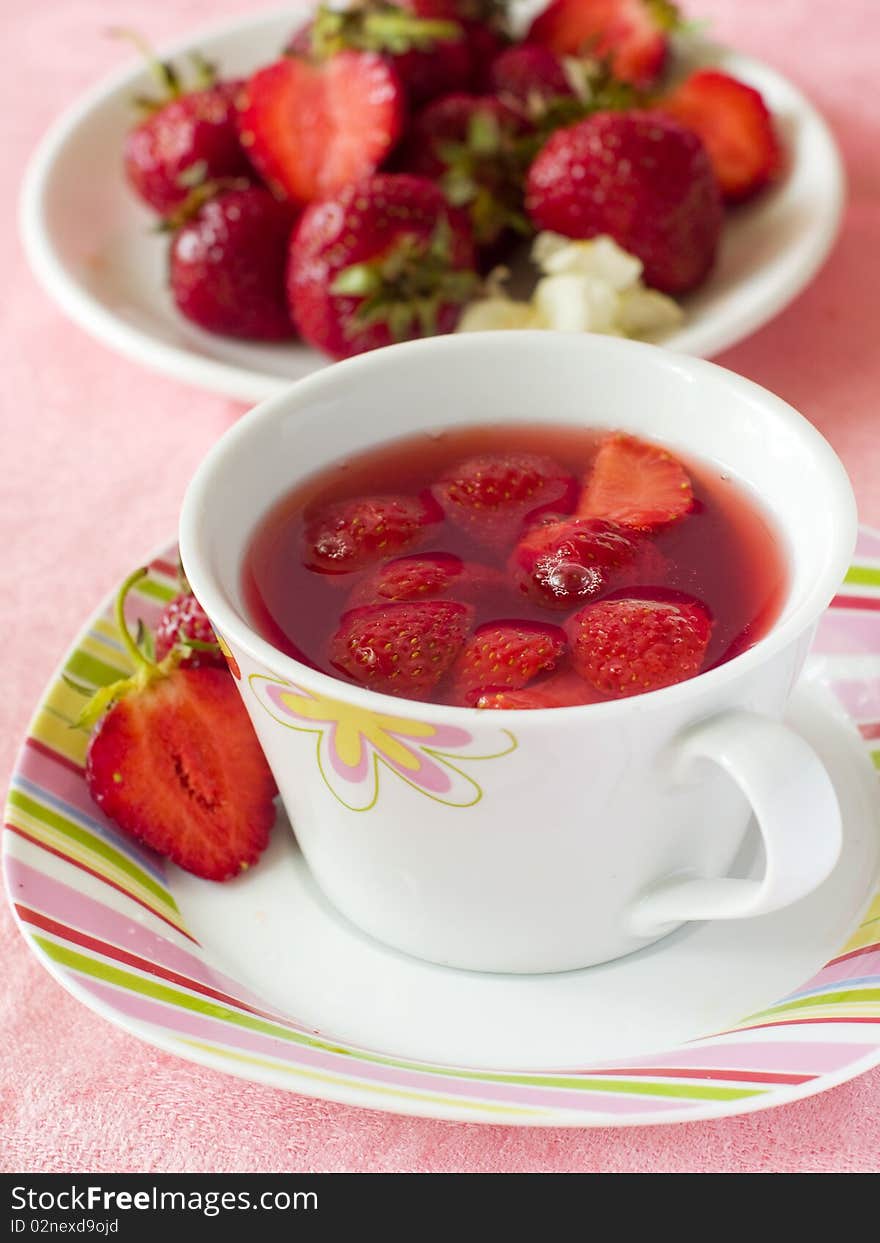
[[354, 744]]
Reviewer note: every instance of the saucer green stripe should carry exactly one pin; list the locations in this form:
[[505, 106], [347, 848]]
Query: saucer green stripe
[[864, 576], [101, 970], [94, 845]]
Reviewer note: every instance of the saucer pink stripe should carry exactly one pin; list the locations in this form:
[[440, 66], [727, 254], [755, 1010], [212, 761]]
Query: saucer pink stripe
[[96, 907]]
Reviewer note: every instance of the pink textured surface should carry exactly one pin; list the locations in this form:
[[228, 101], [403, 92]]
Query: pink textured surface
[[96, 454]]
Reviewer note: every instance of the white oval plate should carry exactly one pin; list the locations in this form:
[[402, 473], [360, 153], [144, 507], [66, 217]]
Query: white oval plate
[[90, 242]]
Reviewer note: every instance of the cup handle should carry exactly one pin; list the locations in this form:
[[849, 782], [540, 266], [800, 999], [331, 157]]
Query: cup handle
[[796, 809]]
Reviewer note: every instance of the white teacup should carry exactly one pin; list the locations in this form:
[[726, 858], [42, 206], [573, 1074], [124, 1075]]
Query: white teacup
[[551, 839]]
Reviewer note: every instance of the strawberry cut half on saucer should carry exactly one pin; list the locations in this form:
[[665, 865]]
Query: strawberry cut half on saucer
[[175, 762]]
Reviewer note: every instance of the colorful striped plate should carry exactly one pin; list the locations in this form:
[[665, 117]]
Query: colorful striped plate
[[261, 978]]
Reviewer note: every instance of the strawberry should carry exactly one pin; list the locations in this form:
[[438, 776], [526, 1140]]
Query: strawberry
[[187, 137], [736, 126], [175, 762], [506, 655], [561, 690], [629, 646], [644, 180], [384, 259], [470, 144], [527, 71], [427, 576], [185, 624], [228, 262], [422, 39], [491, 497], [310, 128], [630, 34], [560, 564], [351, 535], [635, 484], [403, 648]]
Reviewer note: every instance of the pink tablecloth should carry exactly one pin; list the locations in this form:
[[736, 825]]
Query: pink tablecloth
[[95, 456]]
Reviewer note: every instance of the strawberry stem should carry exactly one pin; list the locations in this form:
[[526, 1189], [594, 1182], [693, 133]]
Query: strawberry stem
[[137, 656]]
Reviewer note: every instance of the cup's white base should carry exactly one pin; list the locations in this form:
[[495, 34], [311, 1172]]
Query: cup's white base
[[275, 931]]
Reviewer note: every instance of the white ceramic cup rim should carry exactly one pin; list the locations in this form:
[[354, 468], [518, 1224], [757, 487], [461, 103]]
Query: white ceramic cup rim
[[199, 501]]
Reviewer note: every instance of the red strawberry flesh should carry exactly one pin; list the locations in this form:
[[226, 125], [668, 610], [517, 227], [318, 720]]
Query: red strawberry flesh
[[310, 129], [625, 647], [636, 484], [179, 767], [735, 124], [401, 649]]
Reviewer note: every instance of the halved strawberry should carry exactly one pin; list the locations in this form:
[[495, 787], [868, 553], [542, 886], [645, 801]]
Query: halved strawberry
[[637, 485], [350, 535], [561, 690], [736, 127], [403, 648], [426, 576], [631, 34], [561, 564], [311, 128], [493, 496], [506, 655], [175, 762], [628, 646]]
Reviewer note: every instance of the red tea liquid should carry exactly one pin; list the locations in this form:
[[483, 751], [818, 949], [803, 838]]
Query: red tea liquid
[[725, 553]]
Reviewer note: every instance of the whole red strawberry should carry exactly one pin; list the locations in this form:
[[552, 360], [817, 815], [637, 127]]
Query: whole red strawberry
[[174, 761], [187, 138], [632, 35], [184, 623], [527, 71], [401, 649], [641, 178], [312, 127], [736, 126], [383, 260], [350, 535], [628, 646], [471, 145], [506, 655], [561, 564], [492, 496], [427, 576], [228, 263], [423, 40]]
